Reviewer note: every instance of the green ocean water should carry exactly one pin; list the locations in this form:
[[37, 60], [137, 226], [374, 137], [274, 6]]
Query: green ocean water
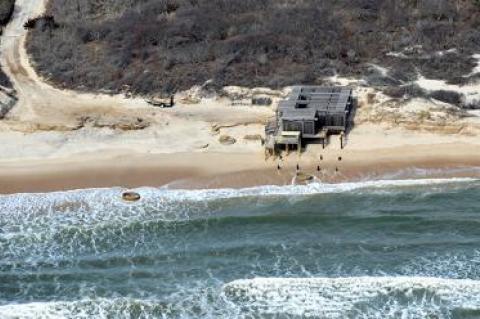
[[379, 249]]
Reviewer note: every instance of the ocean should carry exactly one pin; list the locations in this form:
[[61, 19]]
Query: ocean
[[377, 249]]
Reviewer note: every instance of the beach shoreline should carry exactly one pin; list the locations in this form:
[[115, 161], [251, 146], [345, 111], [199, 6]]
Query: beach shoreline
[[237, 170], [55, 140]]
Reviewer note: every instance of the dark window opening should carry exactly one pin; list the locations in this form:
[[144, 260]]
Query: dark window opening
[[292, 126], [309, 127], [301, 105]]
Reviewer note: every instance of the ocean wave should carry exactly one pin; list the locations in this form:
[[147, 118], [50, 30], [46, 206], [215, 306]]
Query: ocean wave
[[357, 297], [454, 265], [52, 238], [52, 226], [206, 303], [314, 188], [94, 207], [88, 308], [89, 198], [331, 298]]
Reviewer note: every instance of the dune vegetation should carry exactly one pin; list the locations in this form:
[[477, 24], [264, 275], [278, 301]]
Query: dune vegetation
[[6, 11], [154, 47]]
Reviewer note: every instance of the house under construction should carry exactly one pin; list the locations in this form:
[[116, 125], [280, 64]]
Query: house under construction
[[310, 113]]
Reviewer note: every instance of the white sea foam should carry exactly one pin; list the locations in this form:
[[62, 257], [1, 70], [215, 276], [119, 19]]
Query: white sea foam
[[453, 264], [92, 207], [83, 309], [62, 225], [112, 195], [319, 188], [330, 298], [199, 304], [96, 206], [56, 225], [358, 297]]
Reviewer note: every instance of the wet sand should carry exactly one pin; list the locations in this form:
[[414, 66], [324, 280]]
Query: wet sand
[[235, 170]]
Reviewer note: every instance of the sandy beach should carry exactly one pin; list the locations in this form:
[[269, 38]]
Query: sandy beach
[[224, 170], [55, 139]]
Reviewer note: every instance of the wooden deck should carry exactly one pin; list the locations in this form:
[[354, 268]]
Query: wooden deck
[[289, 138], [321, 135]]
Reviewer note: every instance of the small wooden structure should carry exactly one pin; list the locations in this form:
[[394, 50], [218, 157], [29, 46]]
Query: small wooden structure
[[309, 113], [161, 102]]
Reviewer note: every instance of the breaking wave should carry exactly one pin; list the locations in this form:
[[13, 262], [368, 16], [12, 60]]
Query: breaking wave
[[88, 308], [158, 197], [357, 297], [371, 249], [352, 297], [55, 225]]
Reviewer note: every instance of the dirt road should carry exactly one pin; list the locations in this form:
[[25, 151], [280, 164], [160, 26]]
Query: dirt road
[[42, 107]]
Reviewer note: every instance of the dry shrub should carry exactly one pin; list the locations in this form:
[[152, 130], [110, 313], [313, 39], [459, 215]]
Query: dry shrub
[[164, 46]]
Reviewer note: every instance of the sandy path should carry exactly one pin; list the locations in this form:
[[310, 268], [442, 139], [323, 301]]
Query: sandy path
[[62, 123], [44, 106], [39, 103]]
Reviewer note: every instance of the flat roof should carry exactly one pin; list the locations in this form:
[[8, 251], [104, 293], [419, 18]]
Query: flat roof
[[316, 99]]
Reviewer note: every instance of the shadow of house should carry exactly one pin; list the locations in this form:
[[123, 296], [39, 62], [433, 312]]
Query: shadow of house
[[351, 117]]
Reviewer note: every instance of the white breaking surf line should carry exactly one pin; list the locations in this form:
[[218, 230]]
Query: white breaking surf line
[[82, 309], [340, 297], [155, 196]]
